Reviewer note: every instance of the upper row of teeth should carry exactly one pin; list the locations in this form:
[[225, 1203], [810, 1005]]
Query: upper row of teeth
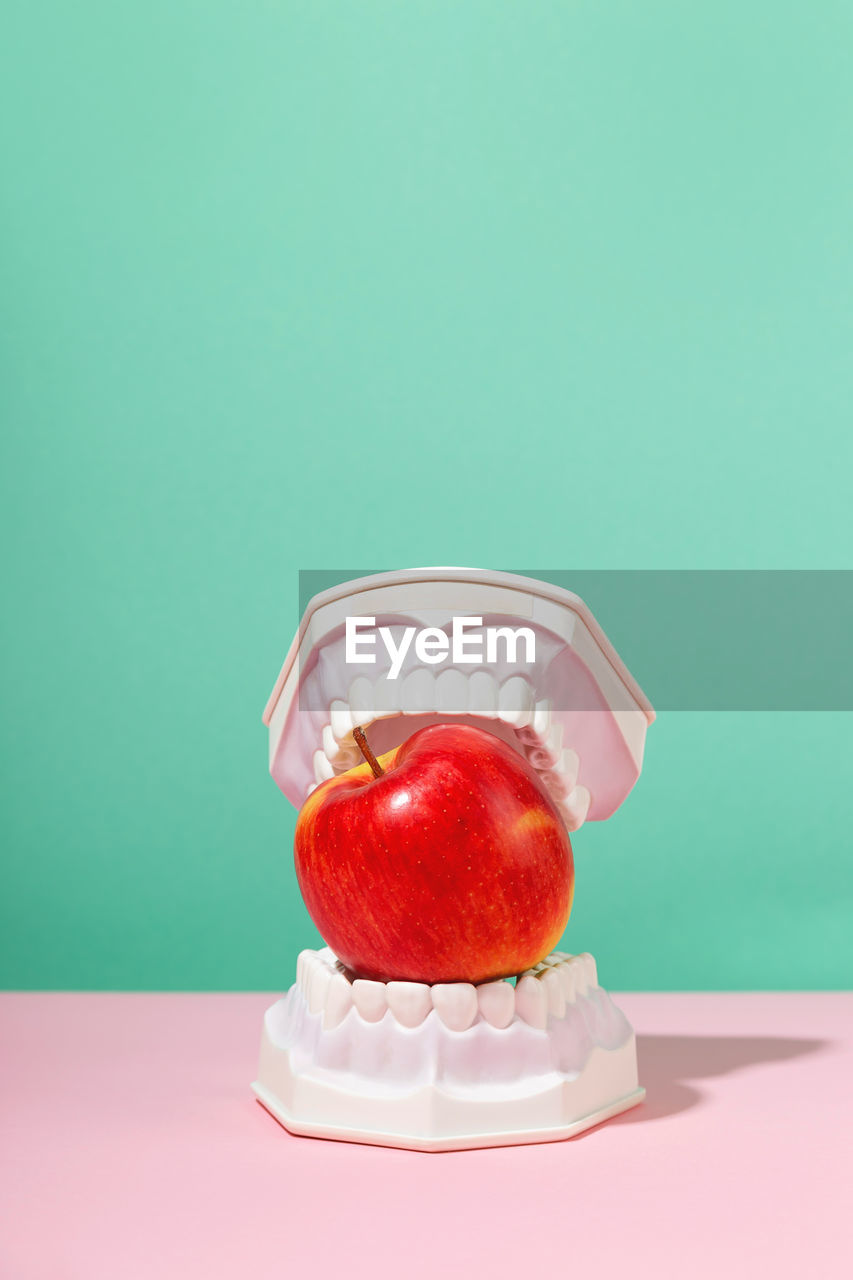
[[547, 990], [454, 693]]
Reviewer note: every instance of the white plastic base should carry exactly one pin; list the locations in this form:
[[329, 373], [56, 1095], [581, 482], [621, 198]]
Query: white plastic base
[[432, 1088]]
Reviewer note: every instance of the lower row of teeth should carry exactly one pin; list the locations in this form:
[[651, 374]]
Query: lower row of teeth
[[547, 990]]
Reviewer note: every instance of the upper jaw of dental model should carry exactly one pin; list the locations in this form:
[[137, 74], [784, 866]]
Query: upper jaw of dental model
[[548, 991], [577, 716], [512, 711]]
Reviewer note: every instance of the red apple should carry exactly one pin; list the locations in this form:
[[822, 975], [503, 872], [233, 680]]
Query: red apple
[[453, 865]]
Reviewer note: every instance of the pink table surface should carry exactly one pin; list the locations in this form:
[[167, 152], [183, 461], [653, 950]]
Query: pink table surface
[[130, 1146]]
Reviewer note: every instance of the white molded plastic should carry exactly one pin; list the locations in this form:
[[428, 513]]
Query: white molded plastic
[[557, 1067], [577, 713], [452, 1066]]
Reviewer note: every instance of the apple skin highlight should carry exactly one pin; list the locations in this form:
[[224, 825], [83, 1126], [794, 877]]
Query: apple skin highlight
[[453, 866]]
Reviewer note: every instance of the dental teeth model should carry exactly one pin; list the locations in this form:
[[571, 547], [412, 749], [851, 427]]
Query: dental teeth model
[[442, 872]]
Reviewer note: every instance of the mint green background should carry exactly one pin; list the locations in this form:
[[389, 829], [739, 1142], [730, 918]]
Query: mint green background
[[304, 284]]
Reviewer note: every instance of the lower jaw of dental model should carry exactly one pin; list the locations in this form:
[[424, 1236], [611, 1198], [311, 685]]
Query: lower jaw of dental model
[[446, 1066]]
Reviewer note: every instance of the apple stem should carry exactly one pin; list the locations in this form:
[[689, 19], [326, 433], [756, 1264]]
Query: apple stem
[[364, 748]]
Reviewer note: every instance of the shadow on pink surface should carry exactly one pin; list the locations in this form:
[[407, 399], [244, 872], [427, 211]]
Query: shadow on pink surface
[[666, 1063]]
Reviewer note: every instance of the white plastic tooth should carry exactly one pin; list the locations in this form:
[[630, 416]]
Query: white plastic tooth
[[302, 970], [554, 740], [590, 968], [550, 980], [321, 977], [309, 964], [338, 1001], [456, 1004], [322, 767], [567, 766], [483, 695], [515, 702], [417, 695], [581, 976], [575, 807], [341, 720], [313, 787], [539, 757], [331, 746], [361, 700], [369, 999], [451, 693], [527, 702], [410, 1002], [541, 722], [386, 695], [341, 755], [554, 785], [536, 732], [566, 973], [497, 1003], [531, 1001]]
